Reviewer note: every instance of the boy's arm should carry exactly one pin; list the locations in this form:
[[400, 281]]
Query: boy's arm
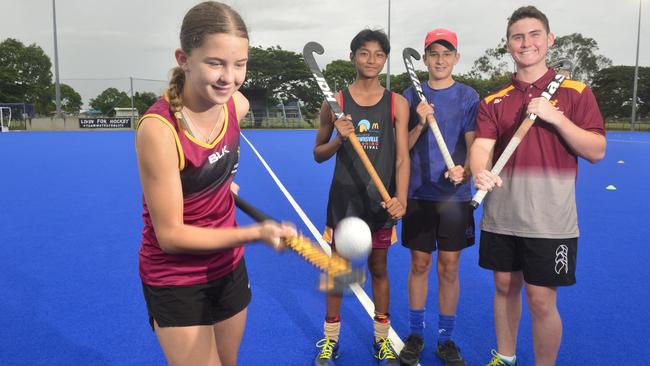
[[402, 163], [470, 130], [423, 109], [480, 163], [325, 148], [470, 136], [482, 150], [587, 144]]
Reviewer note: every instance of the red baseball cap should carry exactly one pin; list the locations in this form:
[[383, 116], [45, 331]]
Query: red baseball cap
[[441, 34]]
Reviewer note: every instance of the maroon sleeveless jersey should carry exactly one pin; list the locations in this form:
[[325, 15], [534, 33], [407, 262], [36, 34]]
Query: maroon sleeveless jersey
[[206, 171]]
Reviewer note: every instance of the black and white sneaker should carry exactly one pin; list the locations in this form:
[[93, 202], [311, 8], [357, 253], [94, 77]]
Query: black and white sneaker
[[450, 354], [410, 354]]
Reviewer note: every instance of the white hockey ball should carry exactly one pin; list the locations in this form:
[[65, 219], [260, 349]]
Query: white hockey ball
[[352, 238]]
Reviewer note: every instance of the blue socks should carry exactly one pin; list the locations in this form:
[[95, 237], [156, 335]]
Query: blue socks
[[445, 327], [446, 324], [416, 319]]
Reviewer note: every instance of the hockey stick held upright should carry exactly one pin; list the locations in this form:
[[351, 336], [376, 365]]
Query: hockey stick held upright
[[308, 54], [522, 130], [407, 54]]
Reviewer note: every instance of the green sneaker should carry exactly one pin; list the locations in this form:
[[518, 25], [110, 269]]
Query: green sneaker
[[497, 361], [329, 351]]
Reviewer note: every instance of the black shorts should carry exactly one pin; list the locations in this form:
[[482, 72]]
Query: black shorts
[[544, 262], [204, 304], [449, 224]]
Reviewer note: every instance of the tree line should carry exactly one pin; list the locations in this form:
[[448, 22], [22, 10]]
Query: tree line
[[26, 77]]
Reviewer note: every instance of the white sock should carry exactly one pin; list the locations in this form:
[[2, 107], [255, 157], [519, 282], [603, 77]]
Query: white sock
[[508, 359]]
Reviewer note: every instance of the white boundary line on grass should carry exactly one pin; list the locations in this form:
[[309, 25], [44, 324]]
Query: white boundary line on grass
[[361, 295]]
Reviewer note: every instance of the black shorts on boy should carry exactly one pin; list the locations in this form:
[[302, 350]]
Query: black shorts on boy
[[543, 262], [450, 224]]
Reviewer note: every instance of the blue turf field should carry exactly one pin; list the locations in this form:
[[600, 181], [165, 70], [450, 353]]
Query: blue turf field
[[69, 234]]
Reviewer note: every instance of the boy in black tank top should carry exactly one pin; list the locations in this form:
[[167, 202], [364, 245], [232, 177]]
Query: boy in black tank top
[[379, 118]]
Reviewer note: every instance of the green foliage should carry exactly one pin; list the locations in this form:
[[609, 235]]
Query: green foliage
[[25, 75], [70, 99], [284, 75], [110, 98], [399, 83], [613, 89], [142, 101], [339, 74], [484, 87], [582, 52], [495, 63]]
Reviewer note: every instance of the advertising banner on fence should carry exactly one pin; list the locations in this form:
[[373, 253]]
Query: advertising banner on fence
[[104, 122]]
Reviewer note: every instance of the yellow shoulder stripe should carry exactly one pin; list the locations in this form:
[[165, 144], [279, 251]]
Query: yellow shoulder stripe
[[498, 94], [179, 148], [573, 84], [218, 138]]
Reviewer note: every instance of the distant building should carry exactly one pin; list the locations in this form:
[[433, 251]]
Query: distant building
[[124, 112], [92, 112], [259, 109]]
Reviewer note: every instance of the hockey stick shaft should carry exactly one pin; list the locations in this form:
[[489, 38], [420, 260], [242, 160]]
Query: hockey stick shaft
[[517, 137], [308, 53], [431, 119]]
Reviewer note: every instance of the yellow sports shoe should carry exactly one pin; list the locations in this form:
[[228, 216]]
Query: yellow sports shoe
[[329, 351], [385, 353]]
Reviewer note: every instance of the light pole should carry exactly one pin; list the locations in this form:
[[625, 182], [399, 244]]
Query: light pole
[[636, 70], [388, 60], [57, 86]]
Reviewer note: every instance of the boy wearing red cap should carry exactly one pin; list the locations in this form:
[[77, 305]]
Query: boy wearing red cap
[[438, 215], [529, 229]]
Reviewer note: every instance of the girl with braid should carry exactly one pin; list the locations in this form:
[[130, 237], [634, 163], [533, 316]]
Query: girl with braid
[[191, 257]]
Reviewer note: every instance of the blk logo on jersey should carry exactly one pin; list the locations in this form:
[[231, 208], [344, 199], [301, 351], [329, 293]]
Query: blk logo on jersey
[[217, 155]]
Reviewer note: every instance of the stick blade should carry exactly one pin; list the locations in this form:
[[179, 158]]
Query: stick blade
[[563, 66], [312, 47], [410, 52], [340, 283]]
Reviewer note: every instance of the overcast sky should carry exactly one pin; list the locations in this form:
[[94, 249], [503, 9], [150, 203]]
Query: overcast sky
[[103, 43]]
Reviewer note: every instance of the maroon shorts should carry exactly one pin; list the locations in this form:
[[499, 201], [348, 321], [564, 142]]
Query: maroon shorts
[[381, 238]]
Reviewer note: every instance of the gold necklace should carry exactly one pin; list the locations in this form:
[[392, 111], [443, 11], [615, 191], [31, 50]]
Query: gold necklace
[[198, 130]]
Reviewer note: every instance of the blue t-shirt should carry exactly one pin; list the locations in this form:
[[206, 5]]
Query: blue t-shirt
[[455, 110]]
